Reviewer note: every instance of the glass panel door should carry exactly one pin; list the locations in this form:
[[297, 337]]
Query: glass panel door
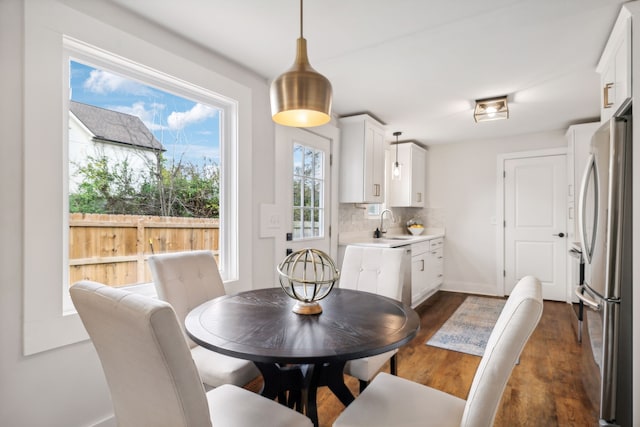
[[308, 192]]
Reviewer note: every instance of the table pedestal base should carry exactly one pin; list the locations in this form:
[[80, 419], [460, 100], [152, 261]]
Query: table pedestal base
[[296, 386]]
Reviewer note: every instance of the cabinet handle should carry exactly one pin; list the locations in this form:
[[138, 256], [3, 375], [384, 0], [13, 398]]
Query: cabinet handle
[[376, 189], [419, 197], [440, 257], [605, 95], [439, 275], [422, 268]]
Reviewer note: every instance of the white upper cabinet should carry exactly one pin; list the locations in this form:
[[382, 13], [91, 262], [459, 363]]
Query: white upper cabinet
[[408, 189], [362, 149], [615, 67]]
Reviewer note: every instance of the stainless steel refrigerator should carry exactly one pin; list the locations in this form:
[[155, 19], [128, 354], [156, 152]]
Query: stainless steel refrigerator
[[605, 234]]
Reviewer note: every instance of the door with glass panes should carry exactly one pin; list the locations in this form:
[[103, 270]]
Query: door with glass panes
[[305, 160]]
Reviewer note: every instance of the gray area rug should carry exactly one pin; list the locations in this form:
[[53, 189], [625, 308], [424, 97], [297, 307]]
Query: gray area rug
[[469, 327]]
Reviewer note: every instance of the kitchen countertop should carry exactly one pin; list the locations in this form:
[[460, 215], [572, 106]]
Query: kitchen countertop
[[391, 240]]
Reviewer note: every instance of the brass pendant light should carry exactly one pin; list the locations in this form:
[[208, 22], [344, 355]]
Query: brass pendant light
[[301, 97]]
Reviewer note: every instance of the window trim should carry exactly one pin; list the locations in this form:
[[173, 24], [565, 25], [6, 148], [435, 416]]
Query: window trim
[[44, 324], [75, 50]]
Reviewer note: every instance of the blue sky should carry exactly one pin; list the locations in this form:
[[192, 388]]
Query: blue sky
[[185, 128]]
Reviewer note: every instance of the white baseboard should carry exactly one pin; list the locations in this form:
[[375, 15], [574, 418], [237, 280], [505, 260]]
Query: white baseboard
[[107, 422], [471, 288]]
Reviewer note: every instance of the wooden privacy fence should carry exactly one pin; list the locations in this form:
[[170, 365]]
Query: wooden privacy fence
[[113, 249]]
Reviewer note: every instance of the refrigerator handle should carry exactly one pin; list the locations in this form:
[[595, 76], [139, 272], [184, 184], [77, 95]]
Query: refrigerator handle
[[587, 247], [589, 302]]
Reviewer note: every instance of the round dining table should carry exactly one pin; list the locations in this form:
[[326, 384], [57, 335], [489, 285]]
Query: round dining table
[[297, 353]]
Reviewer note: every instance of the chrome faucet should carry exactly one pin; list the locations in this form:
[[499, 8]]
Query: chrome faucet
[[382, 230]]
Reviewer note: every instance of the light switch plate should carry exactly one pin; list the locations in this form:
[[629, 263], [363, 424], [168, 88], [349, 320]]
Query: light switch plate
[[270, 220]]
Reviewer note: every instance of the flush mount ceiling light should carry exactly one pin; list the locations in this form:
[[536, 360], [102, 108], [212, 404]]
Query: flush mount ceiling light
[[491, 109], [301, 97], [396, 170]]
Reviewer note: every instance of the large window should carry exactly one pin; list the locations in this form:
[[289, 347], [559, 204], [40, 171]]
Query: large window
[[52, 184], [144, 174]]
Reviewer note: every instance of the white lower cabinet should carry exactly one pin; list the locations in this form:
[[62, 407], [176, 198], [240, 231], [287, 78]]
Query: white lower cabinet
[[425, 274], [419, 274], [435, 264], [426, 269]]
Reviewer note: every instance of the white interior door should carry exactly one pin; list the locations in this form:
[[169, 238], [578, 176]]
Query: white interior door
[[304, 190], [535, 203]]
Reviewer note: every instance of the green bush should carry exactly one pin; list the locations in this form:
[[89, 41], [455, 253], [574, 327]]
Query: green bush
[[180, 189]]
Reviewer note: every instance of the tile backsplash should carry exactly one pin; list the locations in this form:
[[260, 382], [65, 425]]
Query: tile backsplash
[[354, 218]]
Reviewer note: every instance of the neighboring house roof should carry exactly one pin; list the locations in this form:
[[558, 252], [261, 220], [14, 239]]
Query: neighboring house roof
[[113, 126]]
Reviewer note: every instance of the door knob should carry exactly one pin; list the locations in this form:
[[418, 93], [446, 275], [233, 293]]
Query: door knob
[[559, 234]]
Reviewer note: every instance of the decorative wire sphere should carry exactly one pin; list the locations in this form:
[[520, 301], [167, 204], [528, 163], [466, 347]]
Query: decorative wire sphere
[[308, 275]]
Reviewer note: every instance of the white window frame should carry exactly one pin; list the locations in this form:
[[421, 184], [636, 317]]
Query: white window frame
[[48, 31], [75, 50]]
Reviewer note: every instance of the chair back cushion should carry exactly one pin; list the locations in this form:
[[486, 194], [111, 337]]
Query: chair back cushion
[[514, 326], [372, 269], [151, 376], [185, 280]]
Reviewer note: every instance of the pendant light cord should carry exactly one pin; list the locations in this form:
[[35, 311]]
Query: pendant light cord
[[396, 150], [301, 19], [396, 134]]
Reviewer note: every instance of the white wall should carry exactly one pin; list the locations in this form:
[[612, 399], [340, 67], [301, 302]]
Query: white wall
[[461, 185], [65, 387]]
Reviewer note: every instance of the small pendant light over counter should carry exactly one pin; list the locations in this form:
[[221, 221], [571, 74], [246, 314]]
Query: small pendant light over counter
[[396, 170], [301, 97]]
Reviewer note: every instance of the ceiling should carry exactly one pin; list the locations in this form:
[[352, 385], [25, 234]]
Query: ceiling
[[418, 65]]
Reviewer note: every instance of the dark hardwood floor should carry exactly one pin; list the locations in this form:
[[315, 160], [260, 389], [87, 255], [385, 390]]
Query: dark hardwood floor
[[550, 386]]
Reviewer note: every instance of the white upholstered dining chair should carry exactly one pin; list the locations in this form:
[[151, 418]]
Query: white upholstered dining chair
[[394, 401], [151, 375], [379, 271], [185, 280]]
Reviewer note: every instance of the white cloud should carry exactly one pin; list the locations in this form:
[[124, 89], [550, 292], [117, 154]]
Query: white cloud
[[103, 82], [149, 114], [179, 120]]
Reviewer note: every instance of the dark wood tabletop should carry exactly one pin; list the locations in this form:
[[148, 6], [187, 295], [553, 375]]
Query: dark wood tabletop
[[298, 353], [259, 325]]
